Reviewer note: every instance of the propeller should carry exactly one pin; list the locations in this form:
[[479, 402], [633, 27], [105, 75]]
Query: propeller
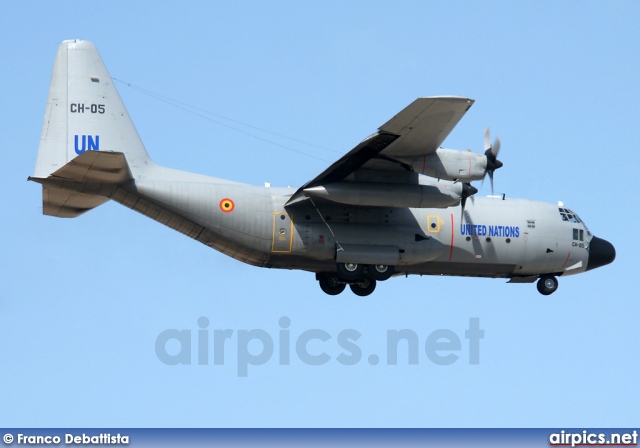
[[492, 156], [468, 190]]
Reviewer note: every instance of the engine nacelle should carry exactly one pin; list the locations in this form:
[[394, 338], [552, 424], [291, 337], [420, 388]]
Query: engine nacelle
[[436, 194], [450, 164]]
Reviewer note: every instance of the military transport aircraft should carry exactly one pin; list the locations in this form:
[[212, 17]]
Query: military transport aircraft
[[396, 204]]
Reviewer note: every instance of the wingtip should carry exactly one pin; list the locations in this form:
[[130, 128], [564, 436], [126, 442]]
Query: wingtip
[[450, 97]]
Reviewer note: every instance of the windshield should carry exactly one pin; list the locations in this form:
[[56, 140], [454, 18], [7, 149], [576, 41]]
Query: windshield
[[570, 216]]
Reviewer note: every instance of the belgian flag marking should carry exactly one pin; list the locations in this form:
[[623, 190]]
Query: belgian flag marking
[[227, 205]]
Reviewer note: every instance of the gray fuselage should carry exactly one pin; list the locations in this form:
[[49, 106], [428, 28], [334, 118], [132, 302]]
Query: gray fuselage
[[496, 237]]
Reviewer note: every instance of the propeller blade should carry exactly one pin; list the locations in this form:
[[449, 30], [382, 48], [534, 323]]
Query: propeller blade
[[487, 140], [463, 203], [491, 179], [496, 147]]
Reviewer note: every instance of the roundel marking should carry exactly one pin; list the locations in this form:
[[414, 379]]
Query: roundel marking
[[227, 205]]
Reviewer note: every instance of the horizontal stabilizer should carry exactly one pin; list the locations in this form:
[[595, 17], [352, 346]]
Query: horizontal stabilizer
[[98, 167], [83, 183], [68, 204]]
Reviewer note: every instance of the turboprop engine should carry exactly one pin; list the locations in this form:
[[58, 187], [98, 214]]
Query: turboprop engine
[[456, 165], [450, 164], [438, 194]]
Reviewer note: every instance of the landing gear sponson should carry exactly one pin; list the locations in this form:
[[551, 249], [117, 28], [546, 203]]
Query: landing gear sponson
[[361, 278]]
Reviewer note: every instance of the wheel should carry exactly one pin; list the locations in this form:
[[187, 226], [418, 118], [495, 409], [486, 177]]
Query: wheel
[[363, 287], [547, 284], [332, 285], [350, 271], [380, 272]]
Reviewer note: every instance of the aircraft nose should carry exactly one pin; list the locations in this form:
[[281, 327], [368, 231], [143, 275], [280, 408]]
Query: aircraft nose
[[601, 252]]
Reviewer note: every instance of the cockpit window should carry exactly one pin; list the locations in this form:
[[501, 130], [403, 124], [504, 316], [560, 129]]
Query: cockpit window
[[569, 216]]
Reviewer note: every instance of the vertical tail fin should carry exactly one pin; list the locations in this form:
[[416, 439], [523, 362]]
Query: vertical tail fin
[[85, 113]]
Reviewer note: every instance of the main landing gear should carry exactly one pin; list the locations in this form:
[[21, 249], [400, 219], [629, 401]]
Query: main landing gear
[[361, 279], [547, 285]]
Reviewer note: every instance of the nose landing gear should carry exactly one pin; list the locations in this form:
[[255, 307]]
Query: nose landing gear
[[547, 285]]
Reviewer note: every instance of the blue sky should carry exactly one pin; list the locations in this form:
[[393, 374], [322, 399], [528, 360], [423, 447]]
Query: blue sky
[[82, 301]]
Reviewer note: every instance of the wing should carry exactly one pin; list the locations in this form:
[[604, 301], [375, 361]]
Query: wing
[[423, 125], [417, 130]]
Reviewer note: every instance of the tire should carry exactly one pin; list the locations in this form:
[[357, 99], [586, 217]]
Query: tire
[[332, 285], [363, 287], [350, 271], [380, 272], [547, 285]]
